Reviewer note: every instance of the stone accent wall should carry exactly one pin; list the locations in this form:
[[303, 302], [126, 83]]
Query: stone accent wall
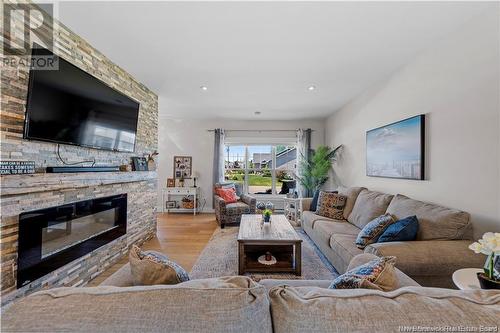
[[141, 225], [18, 196], [71, 47]]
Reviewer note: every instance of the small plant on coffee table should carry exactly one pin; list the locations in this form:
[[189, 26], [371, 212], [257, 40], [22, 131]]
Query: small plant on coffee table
[[267, 215]]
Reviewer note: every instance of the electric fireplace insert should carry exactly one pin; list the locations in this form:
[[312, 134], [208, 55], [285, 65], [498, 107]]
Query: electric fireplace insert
[[51, 238]]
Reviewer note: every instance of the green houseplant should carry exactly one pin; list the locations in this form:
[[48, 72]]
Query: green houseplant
[[314, 172], [267, 215]]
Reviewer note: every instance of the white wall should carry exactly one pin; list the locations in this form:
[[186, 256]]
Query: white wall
[[191, 137], [456, 84]]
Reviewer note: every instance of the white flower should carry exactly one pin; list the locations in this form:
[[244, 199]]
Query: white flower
[[490, 243]]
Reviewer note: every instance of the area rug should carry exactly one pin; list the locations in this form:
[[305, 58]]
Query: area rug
[[220, 258]]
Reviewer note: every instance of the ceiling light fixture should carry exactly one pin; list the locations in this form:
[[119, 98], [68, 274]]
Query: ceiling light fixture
[[204, 88], [311, 88]]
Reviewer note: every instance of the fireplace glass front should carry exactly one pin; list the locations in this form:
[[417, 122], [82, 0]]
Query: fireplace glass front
[[50, 238]]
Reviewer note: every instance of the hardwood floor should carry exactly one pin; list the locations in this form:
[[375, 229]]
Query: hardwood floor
[[181, 237]]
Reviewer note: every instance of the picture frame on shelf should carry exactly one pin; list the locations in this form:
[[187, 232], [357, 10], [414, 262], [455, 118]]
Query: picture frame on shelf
[[139, 164], [171, 204], [170, 182], [183, 166]]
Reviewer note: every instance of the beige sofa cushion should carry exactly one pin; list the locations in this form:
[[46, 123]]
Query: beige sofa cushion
[[335, 227], [420, 258], [352, 194], [345, 247], [435, 222], [311, 309], [310, 218], [368, 206], [228, 304]]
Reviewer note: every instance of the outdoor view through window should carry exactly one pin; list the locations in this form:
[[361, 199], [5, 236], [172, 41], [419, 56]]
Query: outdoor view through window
[[262, 169]]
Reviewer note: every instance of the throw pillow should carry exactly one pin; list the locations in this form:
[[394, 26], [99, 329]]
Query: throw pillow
[[331, 205], [227, 194], [403, 230], [151, 267], [372, 231], [376, 274], [314, 202]]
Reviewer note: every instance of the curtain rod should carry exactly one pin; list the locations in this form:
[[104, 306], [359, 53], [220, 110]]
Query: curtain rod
[[235, 130]]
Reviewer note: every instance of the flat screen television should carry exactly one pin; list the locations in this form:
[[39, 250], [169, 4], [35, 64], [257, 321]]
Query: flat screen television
[[70, 106]]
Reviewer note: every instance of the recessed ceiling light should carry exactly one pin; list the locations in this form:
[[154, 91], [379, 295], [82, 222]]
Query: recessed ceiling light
[[257, 113], [204, 88], [311, 88]]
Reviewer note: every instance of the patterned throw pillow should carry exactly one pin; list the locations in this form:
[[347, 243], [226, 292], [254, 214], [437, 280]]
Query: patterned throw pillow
[[151, 267], [377, 274], [372, 231], [400, 231], [227, 194], [331, 205]]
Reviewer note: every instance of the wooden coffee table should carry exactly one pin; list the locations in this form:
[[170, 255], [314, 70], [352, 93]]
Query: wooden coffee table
[[278, 237]]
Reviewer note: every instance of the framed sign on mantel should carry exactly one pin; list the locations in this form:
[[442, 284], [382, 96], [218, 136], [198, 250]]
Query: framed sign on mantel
[[397, 150]]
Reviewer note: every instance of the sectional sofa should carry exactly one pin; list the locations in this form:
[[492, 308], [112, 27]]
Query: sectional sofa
[[238, 304], [441, 246]]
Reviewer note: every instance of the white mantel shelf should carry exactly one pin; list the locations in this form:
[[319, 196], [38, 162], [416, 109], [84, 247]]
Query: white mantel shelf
[[44, 182]]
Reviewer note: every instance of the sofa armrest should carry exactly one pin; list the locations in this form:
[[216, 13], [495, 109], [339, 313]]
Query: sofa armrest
[[250, 201], [361, 259], [219, 205], [305, 204], [429, 258]]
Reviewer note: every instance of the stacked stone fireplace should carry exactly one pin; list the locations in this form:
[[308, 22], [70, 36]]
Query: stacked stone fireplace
[[22, 194]]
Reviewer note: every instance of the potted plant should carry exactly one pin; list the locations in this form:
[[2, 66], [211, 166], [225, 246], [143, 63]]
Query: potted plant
[[314, 171], [489, 245], [267, 215]]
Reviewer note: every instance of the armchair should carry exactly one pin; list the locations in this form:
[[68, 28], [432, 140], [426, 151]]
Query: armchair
[[231, 213]]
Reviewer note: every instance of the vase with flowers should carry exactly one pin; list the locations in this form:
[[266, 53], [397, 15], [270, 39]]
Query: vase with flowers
[[489, 245]]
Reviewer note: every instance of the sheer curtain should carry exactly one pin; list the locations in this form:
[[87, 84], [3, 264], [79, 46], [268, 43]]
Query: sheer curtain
[[303, 152], [218, 170]]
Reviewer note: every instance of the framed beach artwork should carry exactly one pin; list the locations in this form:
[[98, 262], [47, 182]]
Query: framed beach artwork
[[397, 150]]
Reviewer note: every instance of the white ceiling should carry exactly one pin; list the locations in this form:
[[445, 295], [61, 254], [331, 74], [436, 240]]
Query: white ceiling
[[262, 56]]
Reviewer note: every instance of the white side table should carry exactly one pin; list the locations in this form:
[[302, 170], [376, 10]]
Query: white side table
[[176, 194], [292, 210], [466, 278]]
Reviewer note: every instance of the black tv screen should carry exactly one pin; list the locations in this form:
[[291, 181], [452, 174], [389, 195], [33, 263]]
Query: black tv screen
[[70, 106]]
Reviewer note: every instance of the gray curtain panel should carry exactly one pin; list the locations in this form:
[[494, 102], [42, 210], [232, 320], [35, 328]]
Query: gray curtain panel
[[303, 152], [218, 170]]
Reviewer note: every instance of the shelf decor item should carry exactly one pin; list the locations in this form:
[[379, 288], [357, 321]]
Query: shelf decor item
[[171, 204], [489, 245], [183, 166], [170, 182], [187, 203], [17, 167], [151, 161], [267, 259]]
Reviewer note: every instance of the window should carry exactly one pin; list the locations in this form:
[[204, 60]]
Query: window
[[261, 169]]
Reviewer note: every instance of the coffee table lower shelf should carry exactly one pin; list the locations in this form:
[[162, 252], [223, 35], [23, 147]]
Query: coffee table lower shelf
[[287, 254]]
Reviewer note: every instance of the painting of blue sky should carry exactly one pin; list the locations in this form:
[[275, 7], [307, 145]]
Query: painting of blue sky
[[395, 150]]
